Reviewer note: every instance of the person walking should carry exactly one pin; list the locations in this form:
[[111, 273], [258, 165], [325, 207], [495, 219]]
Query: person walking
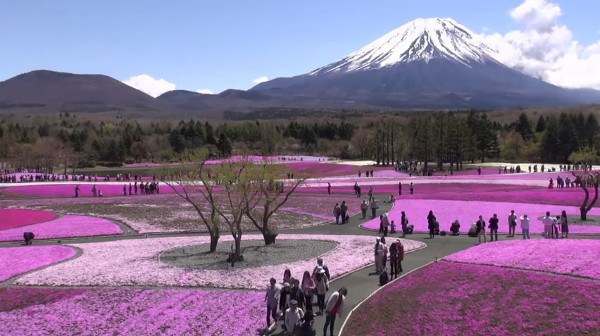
[[493, 227], [77, 191], [431, 220], [525, 226], [94, 191], [363, 209], [395, 261], [374, 207], [481, 230], [328, 188], [380, 224], [306, 328], [344, 212], [412, 188], [404, 224], [386, 224], [400, 188], [337, 211], [322, 284], [548, 222], [370, 194], [564, 225], [512, 223], [124, 189], [335, 307], [293, 317], [272, 297], [308, 288], [130, 189], [378, 255], [385, 254]]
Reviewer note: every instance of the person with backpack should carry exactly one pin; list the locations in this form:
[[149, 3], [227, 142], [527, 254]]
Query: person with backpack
[[493, 227], [335, 307], [481, 229]]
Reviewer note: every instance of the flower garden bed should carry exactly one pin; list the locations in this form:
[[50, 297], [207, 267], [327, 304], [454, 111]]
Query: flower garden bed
[[577, 257], [126, 311], [454, 299], [64, 227], [467, 212], [136, 262], [430, 189], [567, 197], [14, 218], [19, 260]]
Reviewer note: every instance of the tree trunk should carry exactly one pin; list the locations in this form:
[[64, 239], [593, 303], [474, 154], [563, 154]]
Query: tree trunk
[[214, 240], [584, 208], [269, 237], [583, 213]]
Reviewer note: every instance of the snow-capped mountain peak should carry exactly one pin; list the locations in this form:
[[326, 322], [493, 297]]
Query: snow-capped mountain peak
[[421, 39]]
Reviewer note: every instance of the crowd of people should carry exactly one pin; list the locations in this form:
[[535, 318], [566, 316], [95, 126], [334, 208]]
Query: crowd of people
[[40, 177], [144, 188], [292, 301], [552, 226]]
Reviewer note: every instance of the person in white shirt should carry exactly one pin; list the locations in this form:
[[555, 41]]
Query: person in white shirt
[[335, 307], [548, 222], [293, 317], [378, 256], [525, 226], [272, 299]]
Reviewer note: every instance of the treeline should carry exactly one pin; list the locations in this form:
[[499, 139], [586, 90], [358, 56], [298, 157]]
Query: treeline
[[443, 138]]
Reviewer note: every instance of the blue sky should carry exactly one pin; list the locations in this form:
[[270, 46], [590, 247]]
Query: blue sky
[[224, 44]]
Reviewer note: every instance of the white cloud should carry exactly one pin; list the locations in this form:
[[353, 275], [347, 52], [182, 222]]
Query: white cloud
[[205, 91], [260, 80], [546, 49], [148, 84]]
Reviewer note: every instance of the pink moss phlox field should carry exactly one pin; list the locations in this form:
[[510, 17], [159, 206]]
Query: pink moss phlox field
[[128, 311], [65, 227], [135, 262], [467, 212], [430, 189], [14, 218], [570, 197], [453, 299], [577, 257], [18, 260]]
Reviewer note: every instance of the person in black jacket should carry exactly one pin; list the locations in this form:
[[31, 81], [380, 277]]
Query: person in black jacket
[[297, 294], [493, 227]]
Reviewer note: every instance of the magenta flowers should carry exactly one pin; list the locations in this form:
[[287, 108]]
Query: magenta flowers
[[454, 299], [18, 260], [64, 227], [14, 218], [578, 257], [129, 312]]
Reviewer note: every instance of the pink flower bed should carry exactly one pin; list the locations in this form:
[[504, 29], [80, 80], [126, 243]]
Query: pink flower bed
[[453, 299], [467, 212], [420, 188], [14, 218], [127, 311], [135, 263], [65, 227], [68, 190], [578, 257], [18, 260], [570, 197]]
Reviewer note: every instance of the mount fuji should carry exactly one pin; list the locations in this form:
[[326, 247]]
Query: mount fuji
[[426, 63]]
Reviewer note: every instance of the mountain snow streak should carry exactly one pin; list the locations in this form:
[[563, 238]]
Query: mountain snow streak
[[421, 39]]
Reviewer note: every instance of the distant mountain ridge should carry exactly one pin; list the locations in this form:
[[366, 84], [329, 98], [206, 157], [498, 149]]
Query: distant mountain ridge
[[424, 64]]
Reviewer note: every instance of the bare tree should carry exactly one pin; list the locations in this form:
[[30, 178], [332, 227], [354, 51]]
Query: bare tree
[[586, 180], [191, 181], [273, 197]]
